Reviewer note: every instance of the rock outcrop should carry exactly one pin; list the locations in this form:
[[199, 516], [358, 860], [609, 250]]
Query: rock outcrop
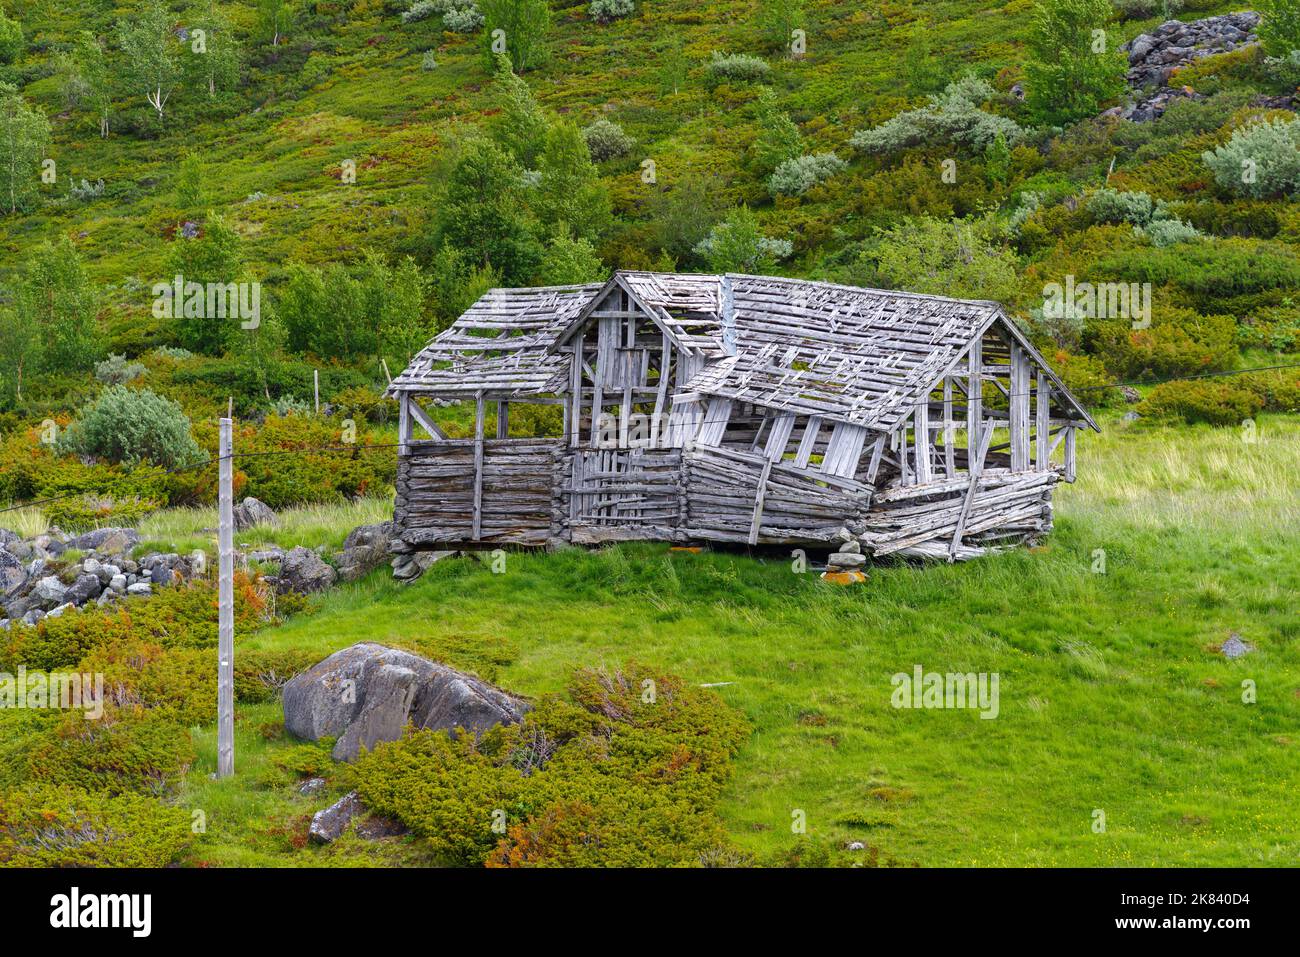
[[1154, 57], [251, 512], [365, 549], [303, 571], [367, 693]]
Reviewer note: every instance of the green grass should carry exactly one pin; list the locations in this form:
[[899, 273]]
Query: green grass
[[1112, 695]]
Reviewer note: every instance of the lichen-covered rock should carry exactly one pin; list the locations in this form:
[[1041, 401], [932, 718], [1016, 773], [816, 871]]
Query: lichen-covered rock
[[13, 576], [365, 549], [251, 512], [367, 693], [302, 570], [106, 541]]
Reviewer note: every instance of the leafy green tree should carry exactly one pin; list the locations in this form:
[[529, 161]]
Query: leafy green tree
[[11, 39], [920, 69], [24, 136], [997, 160], [481, 210], [190, 194], [215, 257], [1073, 67], [673, 66], [18, 351], [273, 18], [132, 426], [569, 261], [88, 81], [56, 298], [778, 139], [737, 244], [681, 216], [570, 190], [520, 126], [524, 24], [215, 55], [152, 54], [777, 19], [925, 254], [396, 298], [1280, 29]]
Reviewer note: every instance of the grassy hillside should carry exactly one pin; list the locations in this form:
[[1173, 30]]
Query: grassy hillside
[[1113, 695]]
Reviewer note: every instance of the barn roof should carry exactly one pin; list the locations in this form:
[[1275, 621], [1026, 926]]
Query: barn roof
[[865, 356]]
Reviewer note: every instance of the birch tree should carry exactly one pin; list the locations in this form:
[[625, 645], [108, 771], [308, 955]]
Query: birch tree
[[152, 54], [24, 137]]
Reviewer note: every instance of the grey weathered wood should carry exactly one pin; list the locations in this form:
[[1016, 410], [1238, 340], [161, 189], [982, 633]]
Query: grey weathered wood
[[478, 469]]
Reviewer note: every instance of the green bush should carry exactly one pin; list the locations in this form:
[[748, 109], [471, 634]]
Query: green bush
[[1169, 232], [11, 39], [72, 827], [737, 68], [1260, 161], [115, 370], [1280, 29], [122, 752], [954, 117], [1201, 400], [606, 140], [607, 11], [624, 771], [131, 426], [1115, 206], [796, 176]]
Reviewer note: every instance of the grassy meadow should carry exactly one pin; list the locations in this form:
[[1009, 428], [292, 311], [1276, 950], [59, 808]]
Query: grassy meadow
[[1113, 696]]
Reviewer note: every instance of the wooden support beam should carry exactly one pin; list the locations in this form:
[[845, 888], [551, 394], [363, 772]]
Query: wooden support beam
[[503, 419], [1018, 397], [808, 442], [1069, 452], [759, 497], [921, 439], [976, 469], [403, 422], [416, 411], [575, 389], [478, 467], [1042, 411], [949, 456], [975, 396]]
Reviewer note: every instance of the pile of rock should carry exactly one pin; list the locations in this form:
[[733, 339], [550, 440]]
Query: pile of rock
[[408, 566], [849, 556], [1153, 57], [37, 582]]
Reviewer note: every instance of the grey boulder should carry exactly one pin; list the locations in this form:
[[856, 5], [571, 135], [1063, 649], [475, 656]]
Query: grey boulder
[[12, 575], [251, 512], [83, 589], [106, 541], [367, 694], [302, 570], [365, 549], [49, 591]]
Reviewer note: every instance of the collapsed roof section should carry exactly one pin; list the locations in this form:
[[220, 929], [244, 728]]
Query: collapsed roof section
[[862, 356]]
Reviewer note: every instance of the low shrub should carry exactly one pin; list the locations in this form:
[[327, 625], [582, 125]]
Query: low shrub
[[606, 140], [1260, 161], [607, 11], [132, 426], [737, 68], [954, 117], [115, 370], [121, 752], [72, 827], [794, 177], [624, 771], [1201, 400]]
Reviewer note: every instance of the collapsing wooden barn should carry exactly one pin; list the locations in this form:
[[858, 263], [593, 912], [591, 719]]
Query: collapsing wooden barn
[[740, 409]]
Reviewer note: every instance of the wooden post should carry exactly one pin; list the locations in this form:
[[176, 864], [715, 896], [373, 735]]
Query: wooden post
[[315, 384], [921, 433], [403, 422], [974, 400], [387, 375], [1069, 452], [225, 610], [478, 467], [1018, 408], [1042, 411], [503, 419], [949, 465]]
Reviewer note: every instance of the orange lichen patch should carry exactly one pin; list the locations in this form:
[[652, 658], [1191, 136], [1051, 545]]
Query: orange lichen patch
[[850, 577]]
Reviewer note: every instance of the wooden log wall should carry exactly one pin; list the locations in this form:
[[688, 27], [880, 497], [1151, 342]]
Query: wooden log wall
[[437, 489]]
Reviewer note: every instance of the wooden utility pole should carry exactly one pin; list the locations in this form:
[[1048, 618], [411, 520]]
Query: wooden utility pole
[[225, 612]]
